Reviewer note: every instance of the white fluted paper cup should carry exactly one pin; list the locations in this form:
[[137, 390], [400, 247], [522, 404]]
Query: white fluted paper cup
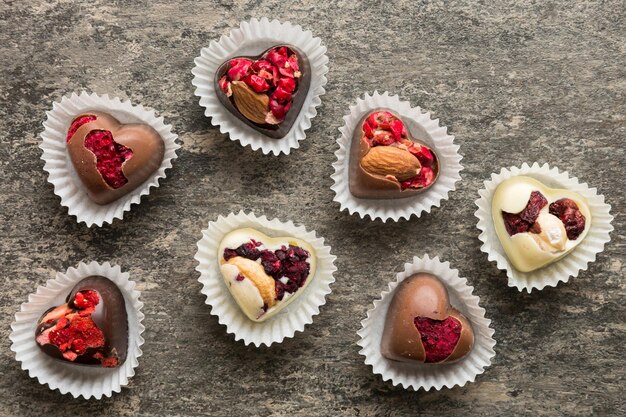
[[291, 319], [422, 128], [249, 39], [61, 172], [423, 375], [570, 265], [79, 381]]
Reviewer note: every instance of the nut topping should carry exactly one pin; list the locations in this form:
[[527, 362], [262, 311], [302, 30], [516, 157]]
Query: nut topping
[[255, 273], [254, 106], [391, 161]]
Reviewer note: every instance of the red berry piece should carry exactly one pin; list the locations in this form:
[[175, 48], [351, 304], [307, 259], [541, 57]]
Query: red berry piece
[[567, 210]]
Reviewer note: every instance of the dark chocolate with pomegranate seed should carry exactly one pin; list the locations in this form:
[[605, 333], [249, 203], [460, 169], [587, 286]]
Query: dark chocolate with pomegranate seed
[[91, 328], [266, 91], [111, 158], [386, 162], [422, 326]]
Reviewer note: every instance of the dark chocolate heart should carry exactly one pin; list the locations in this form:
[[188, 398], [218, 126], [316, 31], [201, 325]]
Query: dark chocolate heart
[[266, 92], [111, 158], [386, 162], [91, 328], [422, 326]]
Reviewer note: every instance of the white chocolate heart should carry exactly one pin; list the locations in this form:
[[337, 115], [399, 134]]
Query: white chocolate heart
[[530, 251], [251, 287]]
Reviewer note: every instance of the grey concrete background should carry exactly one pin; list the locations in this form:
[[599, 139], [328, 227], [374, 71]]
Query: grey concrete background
[[514, 82]]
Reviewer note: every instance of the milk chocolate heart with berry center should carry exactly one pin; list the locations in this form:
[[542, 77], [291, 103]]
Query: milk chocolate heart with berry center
[[386, 162], [91, 328], [265, 274], [422, 326], [111, 158], [538, 225], [266, 91]]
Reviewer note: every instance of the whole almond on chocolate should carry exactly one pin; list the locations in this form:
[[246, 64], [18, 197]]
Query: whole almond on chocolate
[[391, 161], [254, 106]]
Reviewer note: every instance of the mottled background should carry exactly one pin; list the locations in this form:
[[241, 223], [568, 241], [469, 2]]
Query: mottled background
[[514, 82]]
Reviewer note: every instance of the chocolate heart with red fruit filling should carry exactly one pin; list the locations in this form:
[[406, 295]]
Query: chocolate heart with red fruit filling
[[386, 162], [111, 158], [91, 328], [422, 326], [536, 224], [267, 91], [265, 274]]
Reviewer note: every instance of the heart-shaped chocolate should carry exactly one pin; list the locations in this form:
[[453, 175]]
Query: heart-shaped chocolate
[[91, 328], [538, 225], [111, 158], [266, 91], [265, 274], [386, 162], [422, 326]]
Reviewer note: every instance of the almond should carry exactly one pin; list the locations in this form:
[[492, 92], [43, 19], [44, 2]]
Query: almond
[[255, 273], [391, 161], [254, 106]]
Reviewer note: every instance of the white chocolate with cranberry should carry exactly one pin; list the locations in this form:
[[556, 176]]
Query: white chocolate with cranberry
[[251, 292], [530, 251]]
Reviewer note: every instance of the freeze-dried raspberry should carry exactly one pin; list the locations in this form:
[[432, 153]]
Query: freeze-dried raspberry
[[439, 337]]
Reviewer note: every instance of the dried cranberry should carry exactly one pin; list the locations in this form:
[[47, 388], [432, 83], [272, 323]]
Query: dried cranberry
[[535, 203], [288, 261], [524, 220], [249, 251], [514, 224], [568, 212], [229, 253]]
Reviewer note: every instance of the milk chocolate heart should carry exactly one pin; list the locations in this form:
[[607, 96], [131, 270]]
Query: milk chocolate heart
[[422, 326], [537, 225], [265, 274], [112, 158], [386, 162], [91, 328], [266, 91]]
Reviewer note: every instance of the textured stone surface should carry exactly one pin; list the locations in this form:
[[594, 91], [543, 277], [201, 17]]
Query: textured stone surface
[[519, 81]]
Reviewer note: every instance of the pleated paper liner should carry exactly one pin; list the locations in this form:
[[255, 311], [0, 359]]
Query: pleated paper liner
[[564, 268], [423, 128], [295, 316], [62, 174], [79, 381], [249, 39], [422, 375]]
